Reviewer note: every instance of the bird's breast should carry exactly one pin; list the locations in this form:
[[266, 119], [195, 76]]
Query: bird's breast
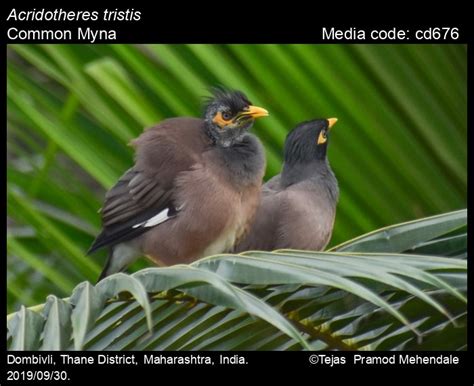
[[239, 221], [223, 243]]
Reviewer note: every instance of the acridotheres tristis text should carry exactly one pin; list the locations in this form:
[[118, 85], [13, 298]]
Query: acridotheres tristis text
[[298, 206], [193, 190]]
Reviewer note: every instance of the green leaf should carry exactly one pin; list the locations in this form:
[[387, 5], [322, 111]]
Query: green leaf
[[400, 237], [25, 328], [325, 295], [220, 292], [113, 78], [88, 303], [58, 328], [115, 284]]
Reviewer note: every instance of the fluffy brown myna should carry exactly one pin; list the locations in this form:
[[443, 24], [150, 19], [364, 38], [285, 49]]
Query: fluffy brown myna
[[298, 206], [193, 190]]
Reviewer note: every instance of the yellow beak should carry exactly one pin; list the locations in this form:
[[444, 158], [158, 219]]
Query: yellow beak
[[331, 122], [256, 112]]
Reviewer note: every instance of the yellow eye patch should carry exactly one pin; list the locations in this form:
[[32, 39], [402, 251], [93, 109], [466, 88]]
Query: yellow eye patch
[[219, 120], [322, 138]]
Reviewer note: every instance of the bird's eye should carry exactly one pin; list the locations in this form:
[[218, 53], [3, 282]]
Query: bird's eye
[[226, 115], [322, 138]]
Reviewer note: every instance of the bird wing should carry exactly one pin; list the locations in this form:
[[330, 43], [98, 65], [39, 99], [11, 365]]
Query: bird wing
[[272, 185], [144, 196], [135, 204], [262, 233]]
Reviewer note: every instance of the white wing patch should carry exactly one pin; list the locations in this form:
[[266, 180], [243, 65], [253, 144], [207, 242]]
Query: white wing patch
[[155, 220]]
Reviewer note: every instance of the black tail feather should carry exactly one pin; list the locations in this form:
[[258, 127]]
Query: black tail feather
[[116, 236], [96, 244], [104, 272]]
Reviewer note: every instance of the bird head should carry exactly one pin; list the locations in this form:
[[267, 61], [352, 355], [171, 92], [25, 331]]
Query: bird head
[[308, 141], [229, 115]]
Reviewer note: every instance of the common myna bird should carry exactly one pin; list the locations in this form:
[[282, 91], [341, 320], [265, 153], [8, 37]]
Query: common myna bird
[[298, 206], [193, 190]]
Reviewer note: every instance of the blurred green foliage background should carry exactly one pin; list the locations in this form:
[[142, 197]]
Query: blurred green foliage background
[[399, 148]]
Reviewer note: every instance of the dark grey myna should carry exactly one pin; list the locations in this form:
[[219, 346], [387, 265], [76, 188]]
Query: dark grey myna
[[193, 190], [298, 206]]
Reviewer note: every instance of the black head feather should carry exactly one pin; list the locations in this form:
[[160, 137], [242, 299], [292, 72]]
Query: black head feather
[[306, 159], [233, 100], [301, 145], [230, 104]]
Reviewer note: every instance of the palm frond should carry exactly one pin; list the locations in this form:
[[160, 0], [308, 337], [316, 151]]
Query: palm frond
[[282, 300]]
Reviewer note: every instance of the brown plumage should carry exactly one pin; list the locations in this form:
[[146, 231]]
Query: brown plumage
[[193, 190], [298, 206]]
